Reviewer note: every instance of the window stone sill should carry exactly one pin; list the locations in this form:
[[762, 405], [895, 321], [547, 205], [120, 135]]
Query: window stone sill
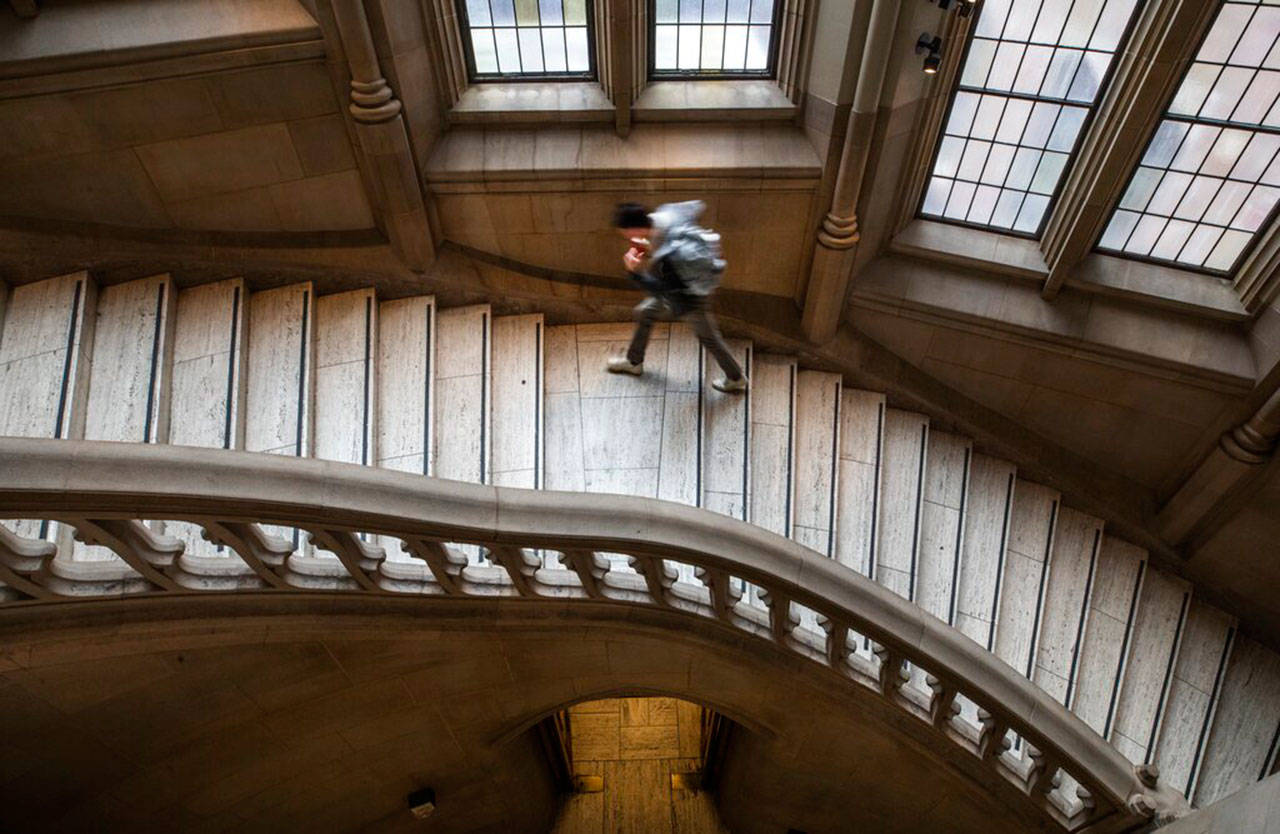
[[1142, 283], [712, 101], [72, 46], [946, 243], [1166, 286], [533, 102], [471, 154]]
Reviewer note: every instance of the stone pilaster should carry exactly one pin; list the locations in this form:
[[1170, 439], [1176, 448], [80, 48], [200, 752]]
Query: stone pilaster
[[1239, 455], [384, 141], [836, 241]]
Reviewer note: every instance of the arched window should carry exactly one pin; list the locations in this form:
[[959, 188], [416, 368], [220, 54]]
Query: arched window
[[527, 39], [1209, 179], [713, 38], [1026, 90]]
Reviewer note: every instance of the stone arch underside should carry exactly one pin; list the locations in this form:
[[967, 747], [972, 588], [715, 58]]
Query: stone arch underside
[[278, 712]]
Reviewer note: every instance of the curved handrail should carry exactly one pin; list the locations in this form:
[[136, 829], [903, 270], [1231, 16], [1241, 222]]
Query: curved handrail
[[101, 490]]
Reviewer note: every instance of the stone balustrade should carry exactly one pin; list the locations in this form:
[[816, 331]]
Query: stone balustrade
[[377, 532]]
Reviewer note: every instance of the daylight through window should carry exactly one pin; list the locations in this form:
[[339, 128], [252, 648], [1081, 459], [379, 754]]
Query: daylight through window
[[1210, 176], [1028, 84], [712, 38], [528, 38]]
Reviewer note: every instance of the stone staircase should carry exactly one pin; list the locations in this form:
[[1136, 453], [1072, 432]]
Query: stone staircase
[[461, 394]]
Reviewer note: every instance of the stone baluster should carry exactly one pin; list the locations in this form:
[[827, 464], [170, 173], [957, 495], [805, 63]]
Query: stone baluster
[[262, 552], [360, 559], [720, 585], [994, 737], [658, 576], [445, 563], [520, 565], [837, 642], [942, 705], [833, 254], [591, 568], [20, 558], [781, 621], [892, 674], [146, 552], [1044, 772], [384, 142]]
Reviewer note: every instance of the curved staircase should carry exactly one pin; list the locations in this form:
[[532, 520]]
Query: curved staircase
[[461, 394]]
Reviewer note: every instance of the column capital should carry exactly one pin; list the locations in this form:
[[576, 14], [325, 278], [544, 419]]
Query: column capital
[[373, 101], [839, 232]]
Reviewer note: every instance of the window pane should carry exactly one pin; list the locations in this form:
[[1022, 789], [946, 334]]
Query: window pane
[[553, 50], [508, 50], [551, 12], [527, 13], [690, 47], [1047, 53], [712, 46], [935, 197], [504, 12], [579, 53], [1214, 152], [486, 54], [735, 47], [762, 11], [664, 47], [534, 38], [478, 13], [530, 50], [714, 37]]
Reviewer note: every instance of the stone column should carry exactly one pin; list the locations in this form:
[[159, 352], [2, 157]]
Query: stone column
[[834, 251], [622, 62], [1239, 455], [384, 142]]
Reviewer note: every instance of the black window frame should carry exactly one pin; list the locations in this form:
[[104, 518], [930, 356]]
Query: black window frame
[[1166, 116], [1072, 155], [769, 73], [474, 77]]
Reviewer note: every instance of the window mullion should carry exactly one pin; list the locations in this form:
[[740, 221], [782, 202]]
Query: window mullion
[[1168, 33]]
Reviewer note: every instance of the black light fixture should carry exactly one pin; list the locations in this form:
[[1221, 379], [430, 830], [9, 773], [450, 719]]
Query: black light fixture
[[963, 7], [933, 46], [422, 802]]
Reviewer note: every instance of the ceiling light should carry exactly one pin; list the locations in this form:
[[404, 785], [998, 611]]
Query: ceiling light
[[933, 46], [963, 7]]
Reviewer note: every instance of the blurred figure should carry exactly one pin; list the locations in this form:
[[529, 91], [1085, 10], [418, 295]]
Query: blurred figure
[[678, 262]]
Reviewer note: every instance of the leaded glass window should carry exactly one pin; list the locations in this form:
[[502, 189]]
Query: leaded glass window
[[1027, 87], [1210, 177], [508, 39], [713, 38]]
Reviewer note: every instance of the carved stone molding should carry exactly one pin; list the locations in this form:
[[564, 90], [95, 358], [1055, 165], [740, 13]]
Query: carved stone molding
[[1239, 455], [92, 486], [384, 141], [829, 276], [372, 102]]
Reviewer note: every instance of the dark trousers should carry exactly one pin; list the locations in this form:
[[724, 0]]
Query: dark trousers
[[695, 310]]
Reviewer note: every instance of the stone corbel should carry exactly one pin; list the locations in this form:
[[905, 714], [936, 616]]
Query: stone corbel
[[1239, 455], [384, 142]]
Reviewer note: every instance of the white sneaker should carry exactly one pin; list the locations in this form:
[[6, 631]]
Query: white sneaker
[[730, 386], [622, 365]]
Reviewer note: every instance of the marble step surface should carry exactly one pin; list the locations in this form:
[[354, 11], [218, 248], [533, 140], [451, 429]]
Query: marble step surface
[[458, 393]]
